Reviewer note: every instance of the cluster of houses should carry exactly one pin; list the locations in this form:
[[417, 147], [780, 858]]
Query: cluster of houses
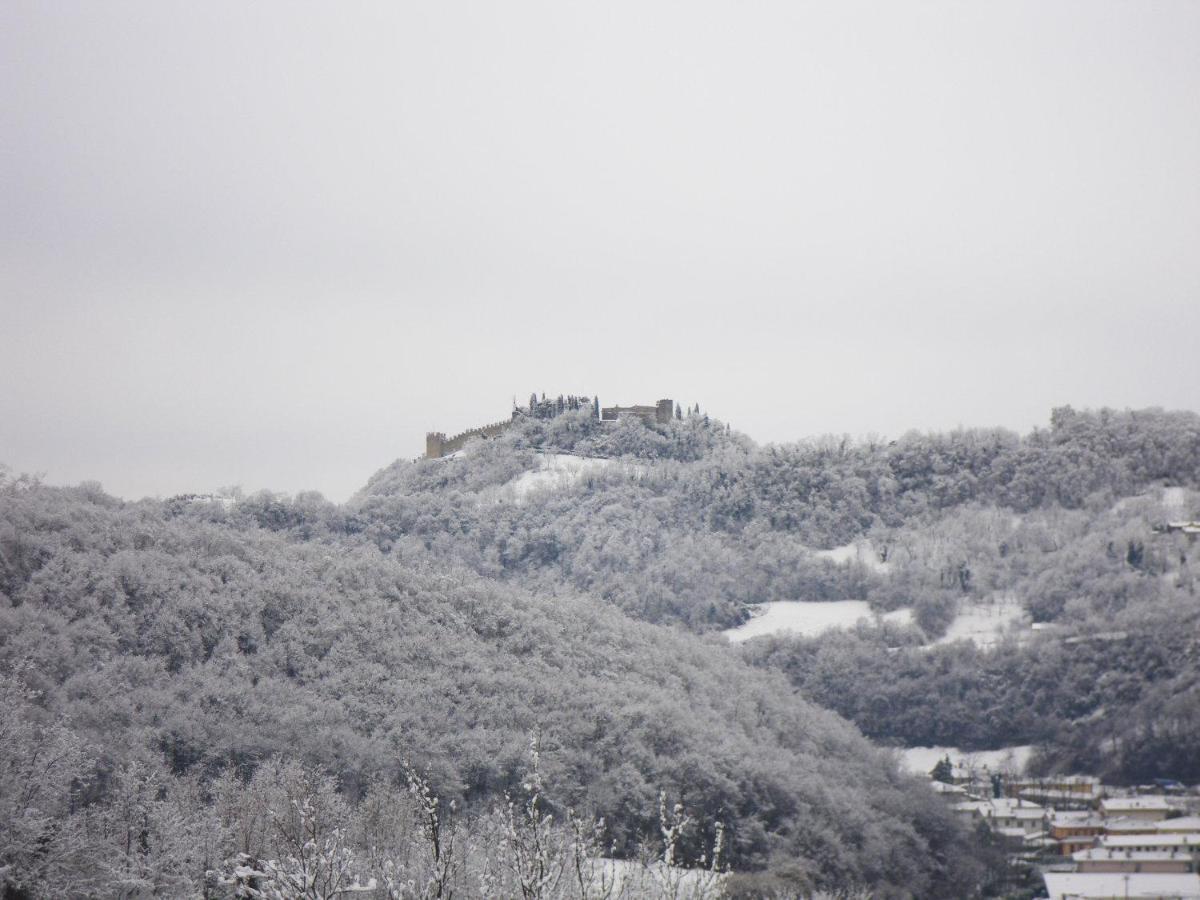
[[1089, 842], [1192, 529]]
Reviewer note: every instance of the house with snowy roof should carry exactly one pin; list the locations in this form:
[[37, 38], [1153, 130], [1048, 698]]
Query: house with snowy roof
[[1179, 825], [1151, 808], [1012, 818], [1188, 842], [1109, 859], [1075, 830], [1059, 791], [1125, 825], [1121, 886], [1191, 528], [1006, 812]]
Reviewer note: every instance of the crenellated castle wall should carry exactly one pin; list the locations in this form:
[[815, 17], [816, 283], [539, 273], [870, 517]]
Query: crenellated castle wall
[[438, 445]]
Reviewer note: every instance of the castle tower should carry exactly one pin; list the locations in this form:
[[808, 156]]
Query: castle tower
[[664, 411], [434, 441]]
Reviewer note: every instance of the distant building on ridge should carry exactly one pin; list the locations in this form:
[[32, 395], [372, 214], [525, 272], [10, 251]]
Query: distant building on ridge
[[437, 445], [660, 413]]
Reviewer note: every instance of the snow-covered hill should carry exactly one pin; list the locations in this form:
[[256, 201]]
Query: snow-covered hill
[[555, 471]]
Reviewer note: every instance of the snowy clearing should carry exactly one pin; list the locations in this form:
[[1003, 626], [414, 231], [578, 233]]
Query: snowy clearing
[[920, 760], [1173, 501], [857, 551], [633, 878], [986, 622], [807, 619], [555, 471], [1174, 498]]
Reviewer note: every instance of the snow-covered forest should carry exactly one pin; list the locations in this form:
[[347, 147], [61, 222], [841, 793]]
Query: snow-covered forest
[[282, 694], [1059, 530]]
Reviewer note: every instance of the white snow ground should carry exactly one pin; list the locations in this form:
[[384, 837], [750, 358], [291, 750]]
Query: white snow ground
[[1174, 499], [987, 621], [858, 551], [555, 471], [807, 619], [634, 879], [920, 760]]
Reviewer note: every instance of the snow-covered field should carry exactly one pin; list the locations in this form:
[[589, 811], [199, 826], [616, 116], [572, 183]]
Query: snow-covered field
[[555, 471], [859, 551], [807, 619], [1175, 502], [987, 621], [1174, 499], [627, 878], [920, 760]]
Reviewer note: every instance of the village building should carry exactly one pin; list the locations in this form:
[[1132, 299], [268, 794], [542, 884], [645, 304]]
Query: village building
[[1104, 859], [1075, 831], [1060, 791], [1004, 812], [1151, 809], [661, 413], [1124, 825], [438, 445], [1111, 848], [1013, 819], [1180, 825], [1189, 842], [1121, 886], [970, 809], [949, 791], [1189, 528]]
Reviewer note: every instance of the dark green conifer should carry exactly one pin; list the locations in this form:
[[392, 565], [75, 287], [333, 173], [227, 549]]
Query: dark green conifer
[[943, 771]]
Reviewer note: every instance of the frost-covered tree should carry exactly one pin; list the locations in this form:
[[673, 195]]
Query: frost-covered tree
[[41, 766]]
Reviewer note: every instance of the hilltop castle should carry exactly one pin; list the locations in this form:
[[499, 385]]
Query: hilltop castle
[[660, 413], [438, 445]]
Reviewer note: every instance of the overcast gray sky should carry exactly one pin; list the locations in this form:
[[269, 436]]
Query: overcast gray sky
[[273, 243]]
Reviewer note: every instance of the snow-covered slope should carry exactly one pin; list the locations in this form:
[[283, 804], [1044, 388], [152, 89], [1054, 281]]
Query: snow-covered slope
[[921, 760], [555, 471], [858, 551], [807, 619], [986, 622]]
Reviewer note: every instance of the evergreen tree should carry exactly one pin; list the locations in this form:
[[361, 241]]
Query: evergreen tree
[[943, 771]]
